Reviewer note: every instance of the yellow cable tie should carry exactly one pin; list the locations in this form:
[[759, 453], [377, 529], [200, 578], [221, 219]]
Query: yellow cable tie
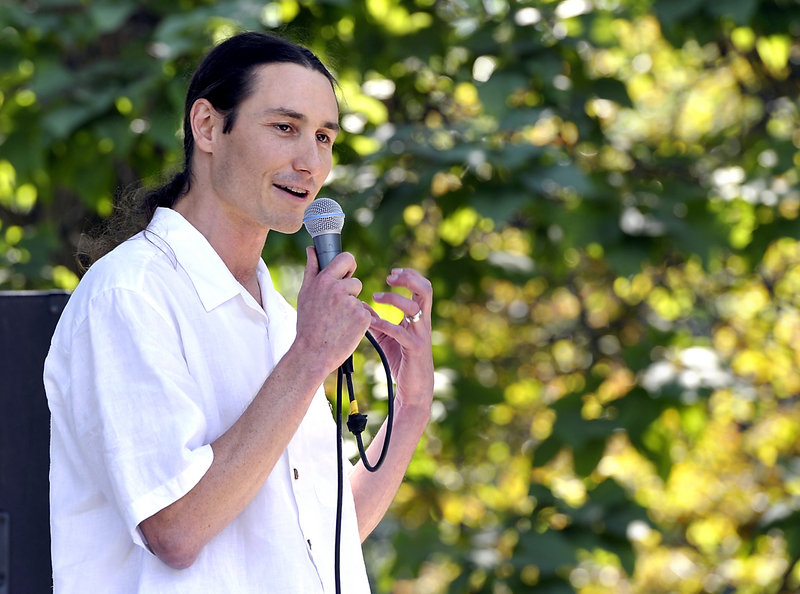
[[353, 407]]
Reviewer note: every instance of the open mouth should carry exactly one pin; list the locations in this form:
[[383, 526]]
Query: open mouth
[[299, 192]]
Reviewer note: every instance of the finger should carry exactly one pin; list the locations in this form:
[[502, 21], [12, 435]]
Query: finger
[[410, 342], [352, 286], [381, 327], [342, 266], [405, 304], [373, 314], [312, 265], [420, 287]]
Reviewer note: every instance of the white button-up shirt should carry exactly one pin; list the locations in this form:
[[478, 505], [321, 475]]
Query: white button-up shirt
[[158, 352]]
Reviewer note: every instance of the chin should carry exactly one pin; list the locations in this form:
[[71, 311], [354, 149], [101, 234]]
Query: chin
[[288, 228]]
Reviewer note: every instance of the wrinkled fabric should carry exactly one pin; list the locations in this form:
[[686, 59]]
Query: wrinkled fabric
[[158, 352]]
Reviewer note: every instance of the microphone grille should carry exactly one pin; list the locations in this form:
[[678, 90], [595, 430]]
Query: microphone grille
[[323, 216]]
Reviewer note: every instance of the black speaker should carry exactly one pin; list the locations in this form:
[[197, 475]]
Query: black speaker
[[27, 321]]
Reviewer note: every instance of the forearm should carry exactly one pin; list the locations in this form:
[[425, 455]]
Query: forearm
[[330, 322], [244, 456], [373, 492]]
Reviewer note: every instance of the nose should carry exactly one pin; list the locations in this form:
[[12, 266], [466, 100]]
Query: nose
[[310, 157]]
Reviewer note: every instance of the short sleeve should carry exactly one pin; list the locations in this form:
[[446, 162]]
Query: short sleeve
[[133, 405]]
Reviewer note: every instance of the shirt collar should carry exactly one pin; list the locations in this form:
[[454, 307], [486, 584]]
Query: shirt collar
[[210, 276]]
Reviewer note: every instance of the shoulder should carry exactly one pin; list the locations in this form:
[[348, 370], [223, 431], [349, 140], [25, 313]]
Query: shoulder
[[142, 269], [139, 265]]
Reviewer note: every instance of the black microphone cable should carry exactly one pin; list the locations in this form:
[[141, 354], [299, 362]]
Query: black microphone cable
[[324, 219], [356, 423]]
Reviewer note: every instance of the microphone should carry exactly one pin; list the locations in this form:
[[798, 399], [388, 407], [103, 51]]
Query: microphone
[[324, 219]]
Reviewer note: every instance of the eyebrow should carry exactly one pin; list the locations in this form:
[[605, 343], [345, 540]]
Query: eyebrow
[[296, 115]]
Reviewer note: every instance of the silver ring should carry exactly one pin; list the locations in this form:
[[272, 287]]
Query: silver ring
[[415, 317]]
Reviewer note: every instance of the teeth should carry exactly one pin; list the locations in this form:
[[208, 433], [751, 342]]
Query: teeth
[[298, 191]]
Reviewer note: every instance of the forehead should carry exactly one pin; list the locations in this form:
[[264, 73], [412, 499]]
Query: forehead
[[290, 86]]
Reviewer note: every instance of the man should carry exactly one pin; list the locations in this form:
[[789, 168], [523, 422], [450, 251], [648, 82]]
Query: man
[[193, 449]]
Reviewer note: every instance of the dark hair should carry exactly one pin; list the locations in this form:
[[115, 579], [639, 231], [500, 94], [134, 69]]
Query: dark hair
[[225, 79]]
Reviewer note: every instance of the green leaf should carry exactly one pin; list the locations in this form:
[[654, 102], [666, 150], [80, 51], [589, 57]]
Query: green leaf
[[564, 175], [494, 93], [573, 429], [473, 392], [588, 455], [51, 80], [741, 11], [638, 410], [545, 451], [63, 120], [672, 11], [499, 208], [627, 256], [550, 551], [613, 90], [790, 526], [109, 16]]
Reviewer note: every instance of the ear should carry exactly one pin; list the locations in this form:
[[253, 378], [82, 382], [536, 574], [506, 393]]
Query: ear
[[204, 119]]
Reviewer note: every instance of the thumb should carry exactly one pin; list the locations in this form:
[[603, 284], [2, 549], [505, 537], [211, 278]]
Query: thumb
[[312, 264]]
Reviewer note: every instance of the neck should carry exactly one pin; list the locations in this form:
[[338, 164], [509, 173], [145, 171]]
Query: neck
[[238, 242]]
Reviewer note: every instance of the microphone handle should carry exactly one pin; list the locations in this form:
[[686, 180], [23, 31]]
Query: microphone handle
[[328, 246]]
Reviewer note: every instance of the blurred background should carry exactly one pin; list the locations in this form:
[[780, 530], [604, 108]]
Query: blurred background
[[604, 194]]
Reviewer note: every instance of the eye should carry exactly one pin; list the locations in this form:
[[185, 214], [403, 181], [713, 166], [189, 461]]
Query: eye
[[284, 127], [324, 138]]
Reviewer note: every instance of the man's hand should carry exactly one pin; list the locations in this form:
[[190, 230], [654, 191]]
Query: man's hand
[[407, 345], [331, 320]]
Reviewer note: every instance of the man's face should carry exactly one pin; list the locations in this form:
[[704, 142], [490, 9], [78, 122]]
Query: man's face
[[274, 160]]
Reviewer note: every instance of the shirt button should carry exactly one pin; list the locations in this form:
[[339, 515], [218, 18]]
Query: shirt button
[[296, 474]]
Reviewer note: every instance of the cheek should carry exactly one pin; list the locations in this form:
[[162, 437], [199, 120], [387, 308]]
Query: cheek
[[245, 162], [327, 160], [235, 176]]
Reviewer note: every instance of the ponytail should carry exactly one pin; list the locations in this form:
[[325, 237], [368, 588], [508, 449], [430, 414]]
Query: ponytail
[[133, 211]]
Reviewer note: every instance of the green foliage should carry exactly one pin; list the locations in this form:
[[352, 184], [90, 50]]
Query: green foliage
[[604, 195]]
